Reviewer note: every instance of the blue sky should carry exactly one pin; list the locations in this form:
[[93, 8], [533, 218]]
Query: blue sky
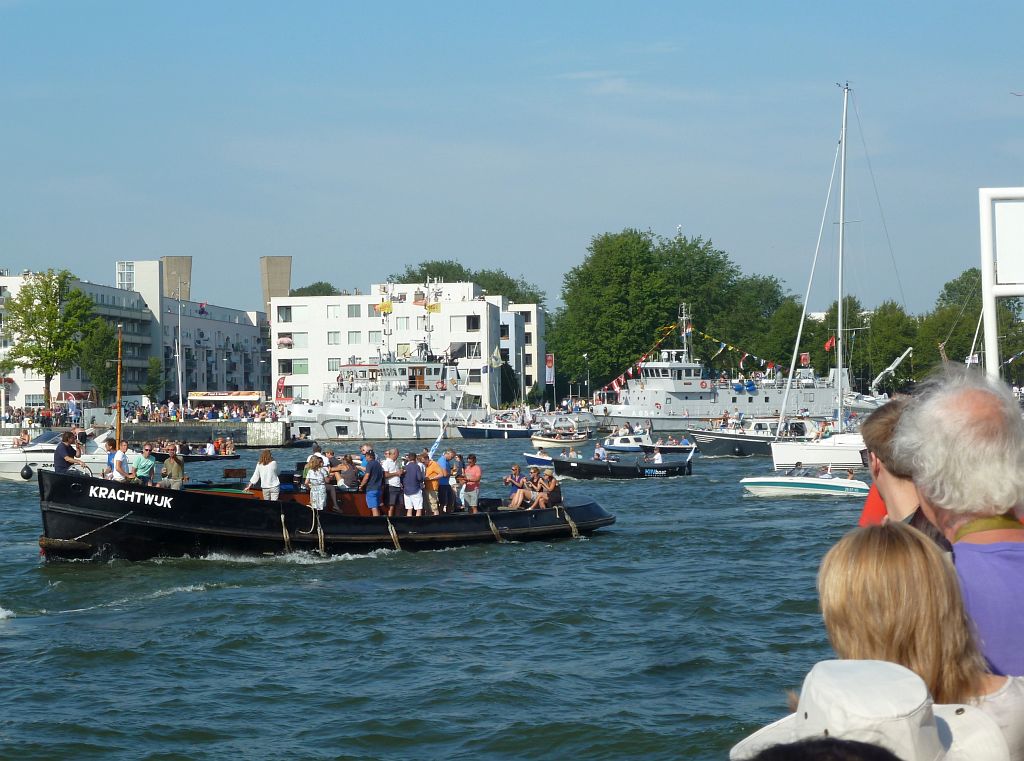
[[359, 138]]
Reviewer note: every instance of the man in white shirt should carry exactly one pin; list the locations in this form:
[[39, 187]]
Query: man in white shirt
[[122, 464], [393, 498]]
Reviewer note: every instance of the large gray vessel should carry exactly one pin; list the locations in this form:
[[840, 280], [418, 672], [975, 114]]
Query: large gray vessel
[[674, 392]]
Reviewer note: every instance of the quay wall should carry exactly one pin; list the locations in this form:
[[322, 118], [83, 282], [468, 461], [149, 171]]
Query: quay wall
[[244, 434]]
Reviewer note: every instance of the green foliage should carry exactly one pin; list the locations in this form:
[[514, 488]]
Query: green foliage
[[319, 288], [153, 386], [495, 282], [99, 357], [47, 319], [891, 331]]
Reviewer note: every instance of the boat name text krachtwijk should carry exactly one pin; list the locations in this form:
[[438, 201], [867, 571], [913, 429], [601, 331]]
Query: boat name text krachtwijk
[[123, 495]]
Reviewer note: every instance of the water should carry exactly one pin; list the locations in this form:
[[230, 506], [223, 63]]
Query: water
[[671, 635]]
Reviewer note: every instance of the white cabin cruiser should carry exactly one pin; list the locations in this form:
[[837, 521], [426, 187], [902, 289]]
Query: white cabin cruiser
[[21, 463]]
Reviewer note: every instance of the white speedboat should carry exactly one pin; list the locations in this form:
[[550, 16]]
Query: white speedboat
[[553, 439], [628, 442], [841, 450], [804, 486], [21, 463]]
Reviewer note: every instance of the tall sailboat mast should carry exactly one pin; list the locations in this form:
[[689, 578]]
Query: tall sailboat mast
[[842, 240]]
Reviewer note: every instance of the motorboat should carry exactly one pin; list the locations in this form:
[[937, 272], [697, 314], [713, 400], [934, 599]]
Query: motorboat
[[536, 458], [619, 469], [553, 439], [750, 436], [21, 463], [91, 518], [840, 450], [495, 429], [804, 486], [628, 442]]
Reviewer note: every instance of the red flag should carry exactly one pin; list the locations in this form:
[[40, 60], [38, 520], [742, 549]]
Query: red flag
[[805, 359], [771, 365], [830, 343]]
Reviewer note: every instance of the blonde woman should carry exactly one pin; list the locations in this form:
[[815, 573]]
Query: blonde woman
[[889, 593], [266, 474]]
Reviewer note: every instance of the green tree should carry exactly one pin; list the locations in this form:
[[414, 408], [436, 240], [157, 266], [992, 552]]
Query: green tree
[[516, 290], [154, 383], [319, 288], [890, 331], [47, 318], [98, 359], [447, 270]]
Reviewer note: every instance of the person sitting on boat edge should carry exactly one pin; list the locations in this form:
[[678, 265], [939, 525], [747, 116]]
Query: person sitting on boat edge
[[144, 465], [173, 470], [515, 481], [550, 494], [64, 455], [528, 491], [797, 470], [122, 463]]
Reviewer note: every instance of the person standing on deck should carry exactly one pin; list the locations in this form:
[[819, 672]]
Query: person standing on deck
[[412, 486], [431, 475], [316, 482], [392, 481], [971, 487], [373, 482], [472, 474], [266, 474], [444, 489]]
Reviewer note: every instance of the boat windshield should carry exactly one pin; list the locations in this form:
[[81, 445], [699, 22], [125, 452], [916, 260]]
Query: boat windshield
[[49, 437]]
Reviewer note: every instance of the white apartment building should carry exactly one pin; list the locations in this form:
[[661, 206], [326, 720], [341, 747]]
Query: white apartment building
[[314, 336], [534, 323], [224, 349]]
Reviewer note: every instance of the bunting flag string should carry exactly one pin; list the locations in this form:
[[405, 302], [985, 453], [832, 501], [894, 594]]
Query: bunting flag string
[[745, 356]]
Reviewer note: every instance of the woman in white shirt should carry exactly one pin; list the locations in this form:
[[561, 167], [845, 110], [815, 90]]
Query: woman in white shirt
[[266, 474], [888, 593]]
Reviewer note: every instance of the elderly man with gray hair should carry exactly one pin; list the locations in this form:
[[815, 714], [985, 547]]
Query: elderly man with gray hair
[[962, 436]]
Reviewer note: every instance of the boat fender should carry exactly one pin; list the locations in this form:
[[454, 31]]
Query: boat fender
[[26, 472], [439, 385], [737, 451], [703, 384]]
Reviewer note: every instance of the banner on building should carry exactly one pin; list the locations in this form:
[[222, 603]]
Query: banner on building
[[805, 359], [549, 369]]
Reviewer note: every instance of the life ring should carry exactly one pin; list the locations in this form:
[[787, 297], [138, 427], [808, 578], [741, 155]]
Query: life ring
[[439, 385], [703, 384], [758, 376], [657, 405]]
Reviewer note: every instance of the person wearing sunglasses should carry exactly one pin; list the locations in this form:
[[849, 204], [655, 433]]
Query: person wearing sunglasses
[[144, 465]]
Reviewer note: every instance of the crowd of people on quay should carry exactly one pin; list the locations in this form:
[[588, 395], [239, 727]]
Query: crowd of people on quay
[[922, 602]]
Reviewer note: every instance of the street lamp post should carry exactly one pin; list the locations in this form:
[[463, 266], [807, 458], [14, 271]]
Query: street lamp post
[[586, 358], [180, 349]]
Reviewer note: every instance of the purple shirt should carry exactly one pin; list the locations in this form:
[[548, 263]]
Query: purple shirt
[[992, 577]]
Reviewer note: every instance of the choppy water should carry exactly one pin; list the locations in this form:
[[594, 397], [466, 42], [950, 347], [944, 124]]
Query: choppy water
[[671, 635]]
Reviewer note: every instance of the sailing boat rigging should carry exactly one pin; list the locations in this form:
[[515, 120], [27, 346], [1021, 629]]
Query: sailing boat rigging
[[840, 450]]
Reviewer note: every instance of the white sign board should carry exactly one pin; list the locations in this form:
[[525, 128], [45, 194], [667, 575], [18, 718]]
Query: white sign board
[[1001, 212]]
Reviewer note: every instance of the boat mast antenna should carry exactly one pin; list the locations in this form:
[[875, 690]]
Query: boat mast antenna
[[685, 330], [842, 237]]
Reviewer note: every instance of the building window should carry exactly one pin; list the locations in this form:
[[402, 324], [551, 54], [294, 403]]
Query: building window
[[333, 364], [296, 392], [292, 366], [353, 310], [355, 337], [503, 330], [333, 337], [421, 322], [473, 350], [33, 400], [504, 354], [403, 351], [528, 339], [334, 311], [474, 375], [473, 323], [529, 360], [529, 380], [527, 318], [300, 340], [284, 314], [402, 323], [373, 337]]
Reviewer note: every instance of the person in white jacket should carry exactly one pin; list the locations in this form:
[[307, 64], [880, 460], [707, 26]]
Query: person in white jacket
[[266, 474]]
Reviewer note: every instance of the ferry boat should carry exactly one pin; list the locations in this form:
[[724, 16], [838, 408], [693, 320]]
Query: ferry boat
[[674, 392], [414, 398]]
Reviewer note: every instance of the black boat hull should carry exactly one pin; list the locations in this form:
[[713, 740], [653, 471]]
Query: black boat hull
[[588, 469], [721, 444], [87, 517]]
